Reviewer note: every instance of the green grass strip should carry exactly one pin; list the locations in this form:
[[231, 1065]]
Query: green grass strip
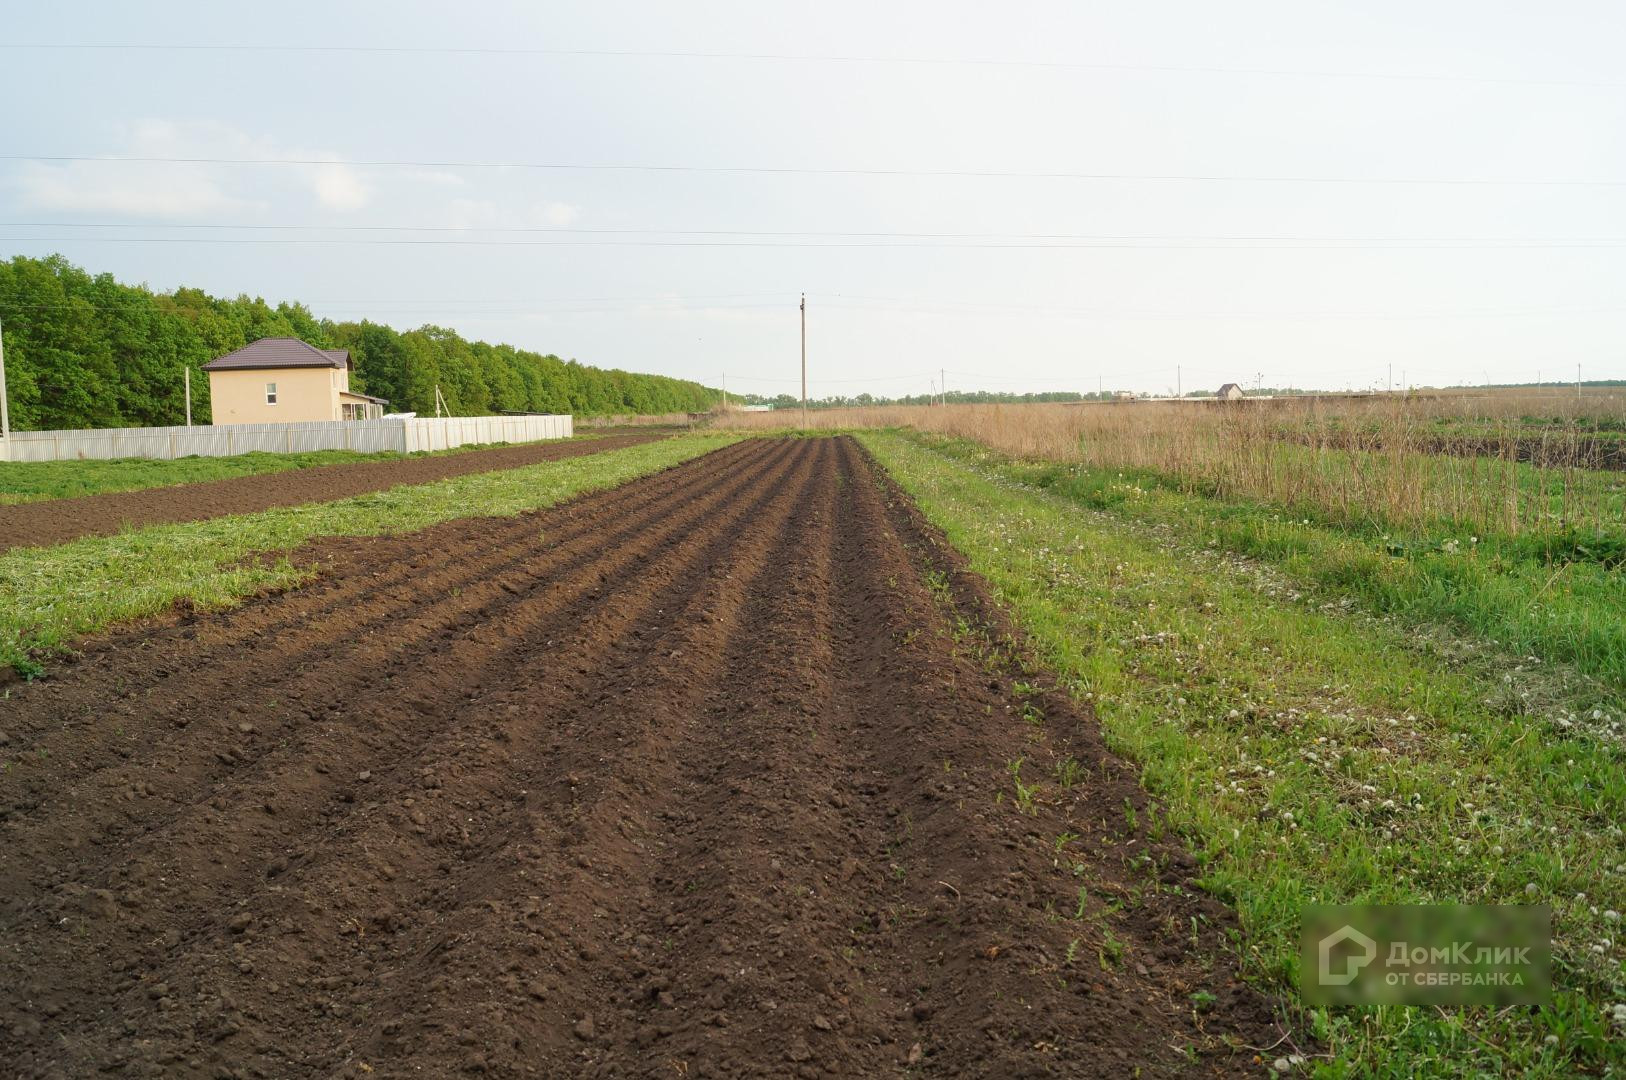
[[1312, 752], [49, 596], [1558, 594], [38, 481]]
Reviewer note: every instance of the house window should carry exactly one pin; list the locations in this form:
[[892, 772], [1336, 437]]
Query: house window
[[270, 393]]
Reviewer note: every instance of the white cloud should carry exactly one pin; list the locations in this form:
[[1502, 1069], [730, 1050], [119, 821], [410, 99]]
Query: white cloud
[[471, 213], [490, 214], [163, 190], [556, 214], [140, 191], [339, 187]]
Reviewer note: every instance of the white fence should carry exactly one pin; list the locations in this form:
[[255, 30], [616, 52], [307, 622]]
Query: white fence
[[367, 436]]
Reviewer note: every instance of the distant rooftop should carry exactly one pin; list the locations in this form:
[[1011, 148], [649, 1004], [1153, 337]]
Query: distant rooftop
[[279, 352]]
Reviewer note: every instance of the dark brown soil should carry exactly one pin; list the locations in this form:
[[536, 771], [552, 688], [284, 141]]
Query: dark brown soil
[[705, 776], [56, 521], [1554, 450]]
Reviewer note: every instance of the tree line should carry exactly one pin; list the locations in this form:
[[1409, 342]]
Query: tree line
[[86, 351], [953, 397]]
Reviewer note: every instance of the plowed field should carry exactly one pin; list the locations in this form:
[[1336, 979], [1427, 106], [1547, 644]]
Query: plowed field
[[713, 774], [58, 520]]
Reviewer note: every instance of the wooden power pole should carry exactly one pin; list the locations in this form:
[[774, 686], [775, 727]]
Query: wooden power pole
[[186, 378], [804, 359]]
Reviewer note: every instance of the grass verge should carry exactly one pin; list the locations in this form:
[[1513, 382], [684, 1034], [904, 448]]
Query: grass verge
[[49, 596], [1312, 751], [38, 481], [1556, 594]]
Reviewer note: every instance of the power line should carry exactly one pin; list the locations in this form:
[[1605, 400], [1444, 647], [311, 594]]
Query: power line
[[803, 58], [931, 306], [560, 230], [804, 171], [653, 305], [833, 245]]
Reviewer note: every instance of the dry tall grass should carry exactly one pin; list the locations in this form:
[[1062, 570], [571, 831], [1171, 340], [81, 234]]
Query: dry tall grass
[[1486, 462]]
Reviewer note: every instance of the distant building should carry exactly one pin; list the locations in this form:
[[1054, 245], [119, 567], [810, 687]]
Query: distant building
[[284, 380], [1230, 392], [1123, 395]]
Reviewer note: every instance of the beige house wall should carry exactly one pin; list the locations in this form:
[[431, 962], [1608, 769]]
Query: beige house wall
[[238, 397]]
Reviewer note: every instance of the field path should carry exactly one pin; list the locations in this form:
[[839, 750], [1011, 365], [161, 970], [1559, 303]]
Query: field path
[[56, 521], [708, 775]]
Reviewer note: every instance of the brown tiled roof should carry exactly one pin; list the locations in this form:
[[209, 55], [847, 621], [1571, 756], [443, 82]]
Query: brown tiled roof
[[279, 352]]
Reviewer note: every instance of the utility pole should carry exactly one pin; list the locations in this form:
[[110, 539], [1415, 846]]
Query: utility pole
[[1391, 378], [5, 404], [186, 377], [1179, 386], [725, 391], [942, 385], [1577, 380], [804, 359], [1100, 386]]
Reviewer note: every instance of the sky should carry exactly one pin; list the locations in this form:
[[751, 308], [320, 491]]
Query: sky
[[1024, 196]]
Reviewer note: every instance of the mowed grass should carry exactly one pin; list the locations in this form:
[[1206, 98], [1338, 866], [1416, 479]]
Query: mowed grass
[[1315, 748], [37, 481], [50, 596]]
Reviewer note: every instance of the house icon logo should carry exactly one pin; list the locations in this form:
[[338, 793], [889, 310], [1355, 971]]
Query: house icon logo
[[1350, 963]]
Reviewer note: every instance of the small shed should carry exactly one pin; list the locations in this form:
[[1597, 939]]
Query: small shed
[[1230, 392]]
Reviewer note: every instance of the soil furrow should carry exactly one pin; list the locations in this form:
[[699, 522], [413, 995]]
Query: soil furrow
[[366, 601], [244, 749], [714, 775], [57, 521], [284, 783], [309, 651], [592, 834]]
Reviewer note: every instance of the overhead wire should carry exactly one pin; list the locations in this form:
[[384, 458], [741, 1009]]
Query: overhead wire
[[996, 174], [798, 58], [552, 230]]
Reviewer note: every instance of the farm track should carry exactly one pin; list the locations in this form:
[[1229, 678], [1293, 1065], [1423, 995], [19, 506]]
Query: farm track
[[57, 521], [703, 776]]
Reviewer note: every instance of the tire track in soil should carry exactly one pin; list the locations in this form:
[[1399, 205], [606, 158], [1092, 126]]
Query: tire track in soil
[[714, 784], [56, 521]]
